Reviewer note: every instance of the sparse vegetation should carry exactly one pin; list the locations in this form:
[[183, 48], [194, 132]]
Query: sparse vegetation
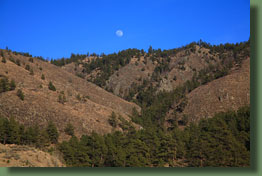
[[159, 142]]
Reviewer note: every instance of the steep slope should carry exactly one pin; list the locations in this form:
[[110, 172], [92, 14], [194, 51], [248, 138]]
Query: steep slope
[[226, 93], [165, 73], [86, 105], [134, 72], [24, 156]]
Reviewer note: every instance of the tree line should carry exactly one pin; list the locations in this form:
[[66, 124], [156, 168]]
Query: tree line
[[220, 141], [223, 140]]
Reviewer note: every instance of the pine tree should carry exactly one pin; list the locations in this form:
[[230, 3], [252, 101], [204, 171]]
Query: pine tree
[[43, 77], [52, 132], [20, 94], [51, 86], [112, 120], [12, 85], [69, 129]]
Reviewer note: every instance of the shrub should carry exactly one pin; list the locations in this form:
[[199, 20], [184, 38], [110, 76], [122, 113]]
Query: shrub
[[4, 84], [51, 86], [18, 62], [78, 97], [3, 60], [31, 71], [62, 98], [43, 77], [12, 85], [27, 67], [20, 94], [31, 60], [12, 60]]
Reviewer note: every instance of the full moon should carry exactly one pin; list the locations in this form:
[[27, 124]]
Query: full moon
[[119, 33]]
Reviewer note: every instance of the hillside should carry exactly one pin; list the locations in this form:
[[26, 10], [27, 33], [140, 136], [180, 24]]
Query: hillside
[[224, 94], [75, 100], [24, 156], [221, 72], [164, 92]]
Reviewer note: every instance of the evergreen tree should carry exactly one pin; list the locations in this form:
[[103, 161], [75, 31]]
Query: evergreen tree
[[51, 86], [12, 85], [20, 94], [112, 120], [150, 50], [43, 77], [69, 130], [52, 132]]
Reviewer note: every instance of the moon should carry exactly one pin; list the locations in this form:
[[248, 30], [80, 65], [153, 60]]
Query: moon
[[119, 33]]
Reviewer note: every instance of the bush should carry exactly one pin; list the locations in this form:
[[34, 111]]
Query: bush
[[78, 97], [62, 98], [51, 86], [3, 60], [31, 71], [43, 77], [12, 85], [5, 85], [31, 60], [20, 94], [18, 62], [27, 67]]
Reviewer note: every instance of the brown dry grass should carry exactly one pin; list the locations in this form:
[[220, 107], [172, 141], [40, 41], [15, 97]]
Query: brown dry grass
[[227, 93], [25, 156], [41, 104]]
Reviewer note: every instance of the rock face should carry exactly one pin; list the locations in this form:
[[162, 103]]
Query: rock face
[[227, 93], [86, 105], [25, 156]]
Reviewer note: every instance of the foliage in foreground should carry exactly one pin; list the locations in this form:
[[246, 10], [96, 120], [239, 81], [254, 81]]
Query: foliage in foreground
[[220, 141]]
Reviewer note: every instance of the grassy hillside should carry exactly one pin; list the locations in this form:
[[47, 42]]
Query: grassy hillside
[[50, 93]]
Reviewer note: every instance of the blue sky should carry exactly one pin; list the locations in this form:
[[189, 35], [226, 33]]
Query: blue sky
[[56, 28]]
